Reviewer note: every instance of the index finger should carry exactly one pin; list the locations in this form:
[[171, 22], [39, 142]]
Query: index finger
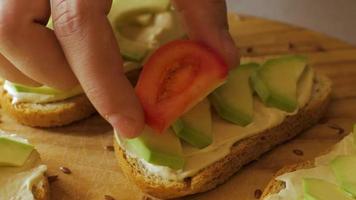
[[92, 51], [206, 21]]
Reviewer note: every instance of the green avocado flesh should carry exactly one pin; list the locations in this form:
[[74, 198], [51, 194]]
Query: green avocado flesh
[[38, 90], [13, 153], [316, 189], [143, 19], [160, 149], [195, 126], [344, 168], [44, 90], [233, 101], [50, 23], [276, 81], [123, 11], [135, 12], [131, 50], [131, 66]]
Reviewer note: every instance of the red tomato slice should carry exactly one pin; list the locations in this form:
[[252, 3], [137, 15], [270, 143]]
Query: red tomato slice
[[175, 78]]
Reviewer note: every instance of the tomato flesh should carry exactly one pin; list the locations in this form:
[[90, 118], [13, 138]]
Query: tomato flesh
[[175, 78]]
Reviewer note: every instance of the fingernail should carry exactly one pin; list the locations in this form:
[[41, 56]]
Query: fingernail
[[126, 126]]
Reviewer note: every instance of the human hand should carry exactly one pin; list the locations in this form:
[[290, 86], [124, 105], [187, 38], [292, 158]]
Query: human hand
[[206, 21], [32, 54], [82, 42]]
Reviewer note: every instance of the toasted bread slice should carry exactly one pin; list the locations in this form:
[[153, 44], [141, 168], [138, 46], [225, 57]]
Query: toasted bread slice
[[274, 186], [48, 114], [242, 152]]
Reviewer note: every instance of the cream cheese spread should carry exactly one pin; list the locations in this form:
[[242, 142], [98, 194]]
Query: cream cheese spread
[[29, 97], [293, 180], [16, 183], [226, 134]]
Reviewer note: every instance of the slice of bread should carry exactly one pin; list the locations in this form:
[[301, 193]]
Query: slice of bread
[[242, 152], [274, 186], [48, 114]]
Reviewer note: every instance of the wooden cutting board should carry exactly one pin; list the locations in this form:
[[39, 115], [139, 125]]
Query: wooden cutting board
[[95, 173]]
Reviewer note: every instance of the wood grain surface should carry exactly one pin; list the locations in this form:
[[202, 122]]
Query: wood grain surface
[[81, 147]]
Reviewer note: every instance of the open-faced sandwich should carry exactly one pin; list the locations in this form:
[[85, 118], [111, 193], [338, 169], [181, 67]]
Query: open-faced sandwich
[[329, 177], [44, 106], [22, 176], [204, 122]]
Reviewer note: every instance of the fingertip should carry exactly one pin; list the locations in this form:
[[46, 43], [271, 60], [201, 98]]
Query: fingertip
[[127, 127], [229, 50]]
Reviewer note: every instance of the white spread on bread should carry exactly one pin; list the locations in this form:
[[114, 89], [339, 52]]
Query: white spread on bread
[[226, 134], [17, 182], [322, 170]]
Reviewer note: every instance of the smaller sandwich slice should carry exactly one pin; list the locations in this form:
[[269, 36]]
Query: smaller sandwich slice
[[52, 114], [328, 177]]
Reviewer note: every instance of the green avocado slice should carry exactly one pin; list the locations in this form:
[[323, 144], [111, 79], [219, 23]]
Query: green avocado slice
[[28, 89], [13, 152], [233, 101], [131, 50], [42, 90], [159, 149], [123, 11], [276, 81], [195, 126], [317, 189], [344, 168]]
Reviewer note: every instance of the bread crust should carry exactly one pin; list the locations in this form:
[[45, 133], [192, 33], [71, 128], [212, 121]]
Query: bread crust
[[48, 114], [242, 152], [41, 190], [274, 186]]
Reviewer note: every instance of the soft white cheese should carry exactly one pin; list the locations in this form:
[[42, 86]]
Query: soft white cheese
[[226, 134]]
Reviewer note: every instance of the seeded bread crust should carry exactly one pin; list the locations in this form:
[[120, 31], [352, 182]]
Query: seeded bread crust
[[48, 114], [242, 152], [274, 186], [41, 190]]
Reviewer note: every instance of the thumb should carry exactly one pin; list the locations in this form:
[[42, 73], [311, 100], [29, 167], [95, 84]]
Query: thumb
[[206, 21]]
